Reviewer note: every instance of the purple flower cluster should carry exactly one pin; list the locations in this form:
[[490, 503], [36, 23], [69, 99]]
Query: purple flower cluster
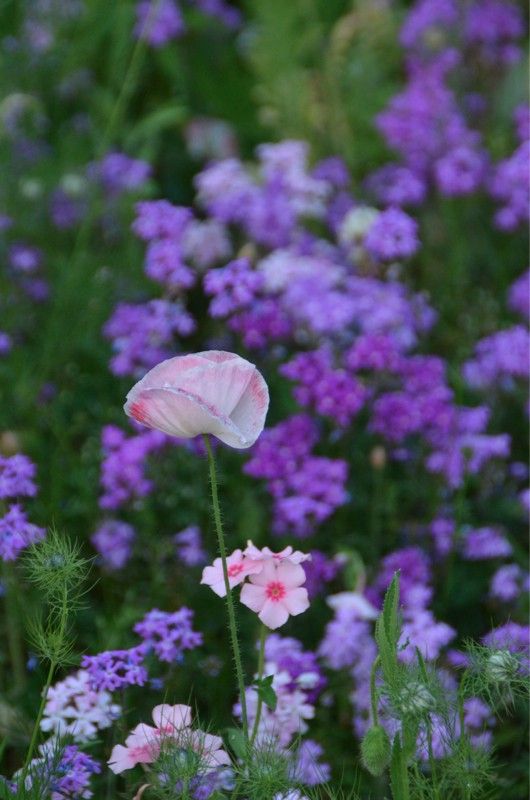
[[117, 173], [115, 669], [123, 469], [70, 778], [306, 489], [142, 334], [189, 547], [168, 634], [161, 21], [113, 540], [17, 474]]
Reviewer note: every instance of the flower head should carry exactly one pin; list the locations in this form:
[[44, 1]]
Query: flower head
[[209, 392], [276, 592], [238, 567]]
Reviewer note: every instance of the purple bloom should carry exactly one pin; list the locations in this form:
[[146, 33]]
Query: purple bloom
[[116, 669], [510, 636], [6, 343], [460, 171], [425, 20], [484, 543], [66, 211], [169, 634], [67, 780], [164, 264], [17, 474], [493, 26], [499, 358], [159, 219], [301, 665], [16, 533], [393, 235], [509, 185], [113, 540], [189, 547], [396, 185], [307, 768], [158, 22], [233, 287], [24, 259], [319, 571], [118, 173], [123, 468], [508, 583]]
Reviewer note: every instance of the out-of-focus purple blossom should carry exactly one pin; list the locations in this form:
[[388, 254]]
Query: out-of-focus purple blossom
[[331, 392], [510, 636], [509, 184], [334, 171], [160, 219], [427, 21], [519, 295], [461, 171], [189, 547], [205, 243], [24, 259], [142, 334], [263, 323], [116, 669], [113, 540], [158, 22], [393, 235], [6, 343], [414, 568], [319, 571], [118, 173], [421, 630], [6, 222], [508, 583], [169, 634], [233, 287], [17, 477], [307, 767], [374, 351], [301, 665], [164, 264], [494, 26], [306, 489], [17, 533], [521, 118], [66, 211], [224, 189], [123, 469], [397, 185], [220, 10], [69, 779], [485, 543], [442, 531], [499, 359]]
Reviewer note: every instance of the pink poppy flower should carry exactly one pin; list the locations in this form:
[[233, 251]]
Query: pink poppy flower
[[238, 567], [210, 748], [142, 746], [210, 392], [287, 554], [275, 592]]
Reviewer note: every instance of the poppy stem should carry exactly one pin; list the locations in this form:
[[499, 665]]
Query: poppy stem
[[232, 622]]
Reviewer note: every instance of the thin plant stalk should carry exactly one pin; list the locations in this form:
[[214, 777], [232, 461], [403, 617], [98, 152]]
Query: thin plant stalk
[[261, 667], [232, 622], [14, 639], [373, 691]]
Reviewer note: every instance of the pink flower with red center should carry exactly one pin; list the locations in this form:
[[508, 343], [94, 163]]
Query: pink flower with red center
[[287, 554], [238, 568], [144, 743], [276, 592], [210, 392], [142, 746]]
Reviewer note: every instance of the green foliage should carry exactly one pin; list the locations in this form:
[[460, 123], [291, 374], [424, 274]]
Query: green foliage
[[266, 692]]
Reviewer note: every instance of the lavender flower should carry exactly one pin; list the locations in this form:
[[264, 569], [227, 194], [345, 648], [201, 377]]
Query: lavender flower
[[169, 634], [116, 669], [113, 540]]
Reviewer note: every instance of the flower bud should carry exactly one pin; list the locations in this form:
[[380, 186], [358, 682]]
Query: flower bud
[[375, 750], [501, 666], [415, 698]]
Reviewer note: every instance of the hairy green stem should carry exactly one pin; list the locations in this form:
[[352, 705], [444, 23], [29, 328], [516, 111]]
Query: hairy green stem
[[232, 624], [14, 639], [36, 727], [261, 667], [373, 690]]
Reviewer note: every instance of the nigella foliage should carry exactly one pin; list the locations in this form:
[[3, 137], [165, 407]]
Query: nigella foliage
[[420, 732]]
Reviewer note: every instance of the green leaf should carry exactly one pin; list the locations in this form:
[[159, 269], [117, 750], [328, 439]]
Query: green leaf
[[237, 741], [390, 611], [266, 692]]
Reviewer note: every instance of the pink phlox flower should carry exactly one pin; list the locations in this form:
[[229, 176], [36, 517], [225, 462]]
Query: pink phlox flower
[[238, 566], [287, 554], [276, 592], [142, 746]]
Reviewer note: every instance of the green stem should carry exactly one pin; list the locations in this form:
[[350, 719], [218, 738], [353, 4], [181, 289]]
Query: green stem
[[261, 667], [14, 640], [36, 727], [432, 762], [232, 624], [373, 691]]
